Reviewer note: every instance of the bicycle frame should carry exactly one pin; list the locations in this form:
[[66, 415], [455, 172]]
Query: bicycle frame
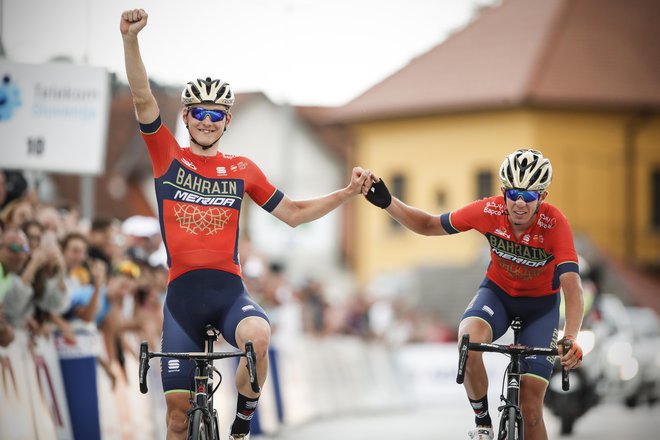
[[511, 420], [203, 390], [202, 395]]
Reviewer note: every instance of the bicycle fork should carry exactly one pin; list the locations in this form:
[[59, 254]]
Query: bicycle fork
[[511, 415]]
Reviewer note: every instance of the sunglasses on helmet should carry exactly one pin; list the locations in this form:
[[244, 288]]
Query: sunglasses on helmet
[[200, 113], [527, 196]]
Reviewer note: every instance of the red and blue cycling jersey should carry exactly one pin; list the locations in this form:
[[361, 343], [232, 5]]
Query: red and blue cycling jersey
[[526, 266], [199, 202]]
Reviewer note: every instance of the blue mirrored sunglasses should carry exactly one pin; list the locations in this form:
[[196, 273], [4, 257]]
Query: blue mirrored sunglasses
[[200, 113], [527, 196]]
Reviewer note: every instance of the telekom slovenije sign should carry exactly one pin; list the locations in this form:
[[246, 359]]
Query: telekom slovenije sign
[[53, 117]]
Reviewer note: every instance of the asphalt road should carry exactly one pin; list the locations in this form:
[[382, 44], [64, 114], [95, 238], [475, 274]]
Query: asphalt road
[[607, 421]]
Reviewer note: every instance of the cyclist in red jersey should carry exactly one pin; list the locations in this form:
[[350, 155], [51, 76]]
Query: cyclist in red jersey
[[532, 257], [200, 192]]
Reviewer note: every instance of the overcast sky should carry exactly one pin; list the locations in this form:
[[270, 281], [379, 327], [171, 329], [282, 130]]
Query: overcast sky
[[305, 52]]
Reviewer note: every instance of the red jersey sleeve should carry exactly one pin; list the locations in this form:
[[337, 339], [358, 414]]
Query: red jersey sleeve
[[473, 216], [562, 246], [162, 145], [257, 185]]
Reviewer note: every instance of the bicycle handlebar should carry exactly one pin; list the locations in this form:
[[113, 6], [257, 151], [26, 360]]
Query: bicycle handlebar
[[249, 354], [466, 346]]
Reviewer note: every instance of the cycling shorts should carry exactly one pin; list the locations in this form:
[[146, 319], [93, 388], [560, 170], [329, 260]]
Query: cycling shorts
[[539, 315], [193, 300]]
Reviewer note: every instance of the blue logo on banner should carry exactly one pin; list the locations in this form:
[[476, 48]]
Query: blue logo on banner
[[10, 98]]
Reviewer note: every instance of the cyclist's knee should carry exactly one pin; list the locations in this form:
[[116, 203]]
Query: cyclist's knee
[[531, 400], [532, 413], [478, 329], [256, 330], [177, 405]]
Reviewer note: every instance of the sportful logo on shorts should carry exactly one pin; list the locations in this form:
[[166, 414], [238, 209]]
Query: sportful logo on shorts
[[248, 307], [173, 366]]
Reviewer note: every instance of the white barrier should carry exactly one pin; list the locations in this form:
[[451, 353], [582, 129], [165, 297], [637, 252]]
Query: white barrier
[[318, 377], [32, 400]]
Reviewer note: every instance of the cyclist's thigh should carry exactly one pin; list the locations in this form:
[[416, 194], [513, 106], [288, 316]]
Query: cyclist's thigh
[[193, 300], [540, 316], [488, 305], [175, 373], [242, 307]]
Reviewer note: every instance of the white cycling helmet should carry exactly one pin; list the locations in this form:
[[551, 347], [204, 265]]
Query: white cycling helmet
[[527, 170], [208, 91]]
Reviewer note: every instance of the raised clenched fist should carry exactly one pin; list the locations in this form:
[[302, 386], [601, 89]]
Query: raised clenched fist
[[133, 21]]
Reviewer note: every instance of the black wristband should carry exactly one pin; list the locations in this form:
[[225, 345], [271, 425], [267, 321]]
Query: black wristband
[[379, 195]]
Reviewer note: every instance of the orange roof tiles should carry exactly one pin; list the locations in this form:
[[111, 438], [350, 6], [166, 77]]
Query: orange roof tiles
[[593, 53]]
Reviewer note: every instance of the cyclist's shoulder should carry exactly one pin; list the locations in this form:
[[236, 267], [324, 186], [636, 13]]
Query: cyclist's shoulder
[[488, 207], [550, 216], [236, 162]]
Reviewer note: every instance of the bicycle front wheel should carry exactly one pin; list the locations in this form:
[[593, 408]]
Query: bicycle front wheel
[[514, 425], [199, 428], [510, 426]]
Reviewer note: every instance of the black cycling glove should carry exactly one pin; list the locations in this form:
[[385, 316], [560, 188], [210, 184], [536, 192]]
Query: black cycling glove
[[379, 195]]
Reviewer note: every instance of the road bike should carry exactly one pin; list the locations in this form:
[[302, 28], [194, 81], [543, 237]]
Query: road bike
[[202, 417], [511, 419]]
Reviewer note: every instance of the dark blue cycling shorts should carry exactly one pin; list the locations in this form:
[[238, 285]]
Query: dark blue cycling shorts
[[540, 319], [193, 300]]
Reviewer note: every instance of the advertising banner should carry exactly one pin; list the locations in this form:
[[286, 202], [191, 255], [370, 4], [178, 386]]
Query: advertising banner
[[53, 117]]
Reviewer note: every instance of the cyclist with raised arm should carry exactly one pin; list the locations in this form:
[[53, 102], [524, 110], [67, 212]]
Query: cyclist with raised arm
[[200, 192], [532, 257]]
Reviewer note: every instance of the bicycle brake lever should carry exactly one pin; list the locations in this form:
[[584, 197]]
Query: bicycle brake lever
[[565, 383], [144, 366], [462, 358], [251, 366]]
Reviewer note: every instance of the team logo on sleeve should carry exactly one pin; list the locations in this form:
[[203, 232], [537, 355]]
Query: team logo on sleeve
[[546, 222], [493, 208]]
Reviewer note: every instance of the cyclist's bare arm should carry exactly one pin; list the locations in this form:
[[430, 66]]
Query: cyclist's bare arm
[[572, 287], [146, 107], [415, 219], [297, 212]]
